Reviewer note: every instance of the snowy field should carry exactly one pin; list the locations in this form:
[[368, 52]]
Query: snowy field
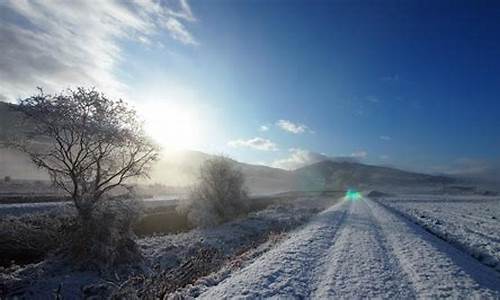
[[360, 249], [471, 223], [402, 247], [162, 255], [17, 209]]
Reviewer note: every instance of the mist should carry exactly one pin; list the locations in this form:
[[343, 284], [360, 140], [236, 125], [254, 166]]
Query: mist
[[18, 166]]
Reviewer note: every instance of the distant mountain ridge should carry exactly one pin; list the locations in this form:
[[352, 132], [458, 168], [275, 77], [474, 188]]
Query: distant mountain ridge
[[341, 175], [182, 169]]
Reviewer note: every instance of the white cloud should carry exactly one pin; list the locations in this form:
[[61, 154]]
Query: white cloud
[[257, 143], [178, 32], [385, 138], [295, 128], [299, 158], [390, 78], [259, 163], [185, 11], [263, 128], [59, 44], [361, 154], [359, 112], [384, 157], [373, 99]]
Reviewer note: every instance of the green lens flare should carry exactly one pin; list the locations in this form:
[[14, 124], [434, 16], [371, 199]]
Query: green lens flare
[[353, 195]]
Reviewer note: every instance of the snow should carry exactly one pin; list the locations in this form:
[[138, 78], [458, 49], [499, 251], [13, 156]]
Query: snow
[[359, 249], [18, 209], [403, 247], [471, 223], [227, 238], [161, 253]]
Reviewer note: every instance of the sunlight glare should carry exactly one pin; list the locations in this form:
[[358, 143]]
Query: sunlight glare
[[173, 126]]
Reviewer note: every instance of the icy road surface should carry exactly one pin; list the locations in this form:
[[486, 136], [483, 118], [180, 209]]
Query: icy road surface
[[359, 249]]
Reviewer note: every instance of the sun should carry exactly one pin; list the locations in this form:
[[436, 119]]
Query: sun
[[172, 125]]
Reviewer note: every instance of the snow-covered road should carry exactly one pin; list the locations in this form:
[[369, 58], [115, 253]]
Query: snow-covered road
[[359, 249]]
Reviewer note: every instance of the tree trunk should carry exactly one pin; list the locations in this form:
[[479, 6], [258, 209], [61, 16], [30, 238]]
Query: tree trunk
[[85, 207]]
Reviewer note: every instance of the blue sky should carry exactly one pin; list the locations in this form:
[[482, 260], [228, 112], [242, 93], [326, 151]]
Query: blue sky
[[413, 84]]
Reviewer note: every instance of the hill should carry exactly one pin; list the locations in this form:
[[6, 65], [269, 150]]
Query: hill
[[341, 175], [181, 169]]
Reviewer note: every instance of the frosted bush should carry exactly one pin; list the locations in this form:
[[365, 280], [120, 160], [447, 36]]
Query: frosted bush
[[107, 239], [219, 196], [34, 234]]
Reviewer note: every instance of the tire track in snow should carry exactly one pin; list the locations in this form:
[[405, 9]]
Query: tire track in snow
[[288, 269], [361, 250], [361, 264]]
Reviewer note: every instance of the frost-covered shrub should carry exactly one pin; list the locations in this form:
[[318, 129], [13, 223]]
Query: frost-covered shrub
[[103, 241], [219, 196], [34, 235], [107, 239]]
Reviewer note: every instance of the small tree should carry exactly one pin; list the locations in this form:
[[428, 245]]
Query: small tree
[[88, 143], [219, 196]]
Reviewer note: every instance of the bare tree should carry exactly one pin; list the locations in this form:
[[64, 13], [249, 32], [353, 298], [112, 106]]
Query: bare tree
[[88, 143], [220, 194]]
